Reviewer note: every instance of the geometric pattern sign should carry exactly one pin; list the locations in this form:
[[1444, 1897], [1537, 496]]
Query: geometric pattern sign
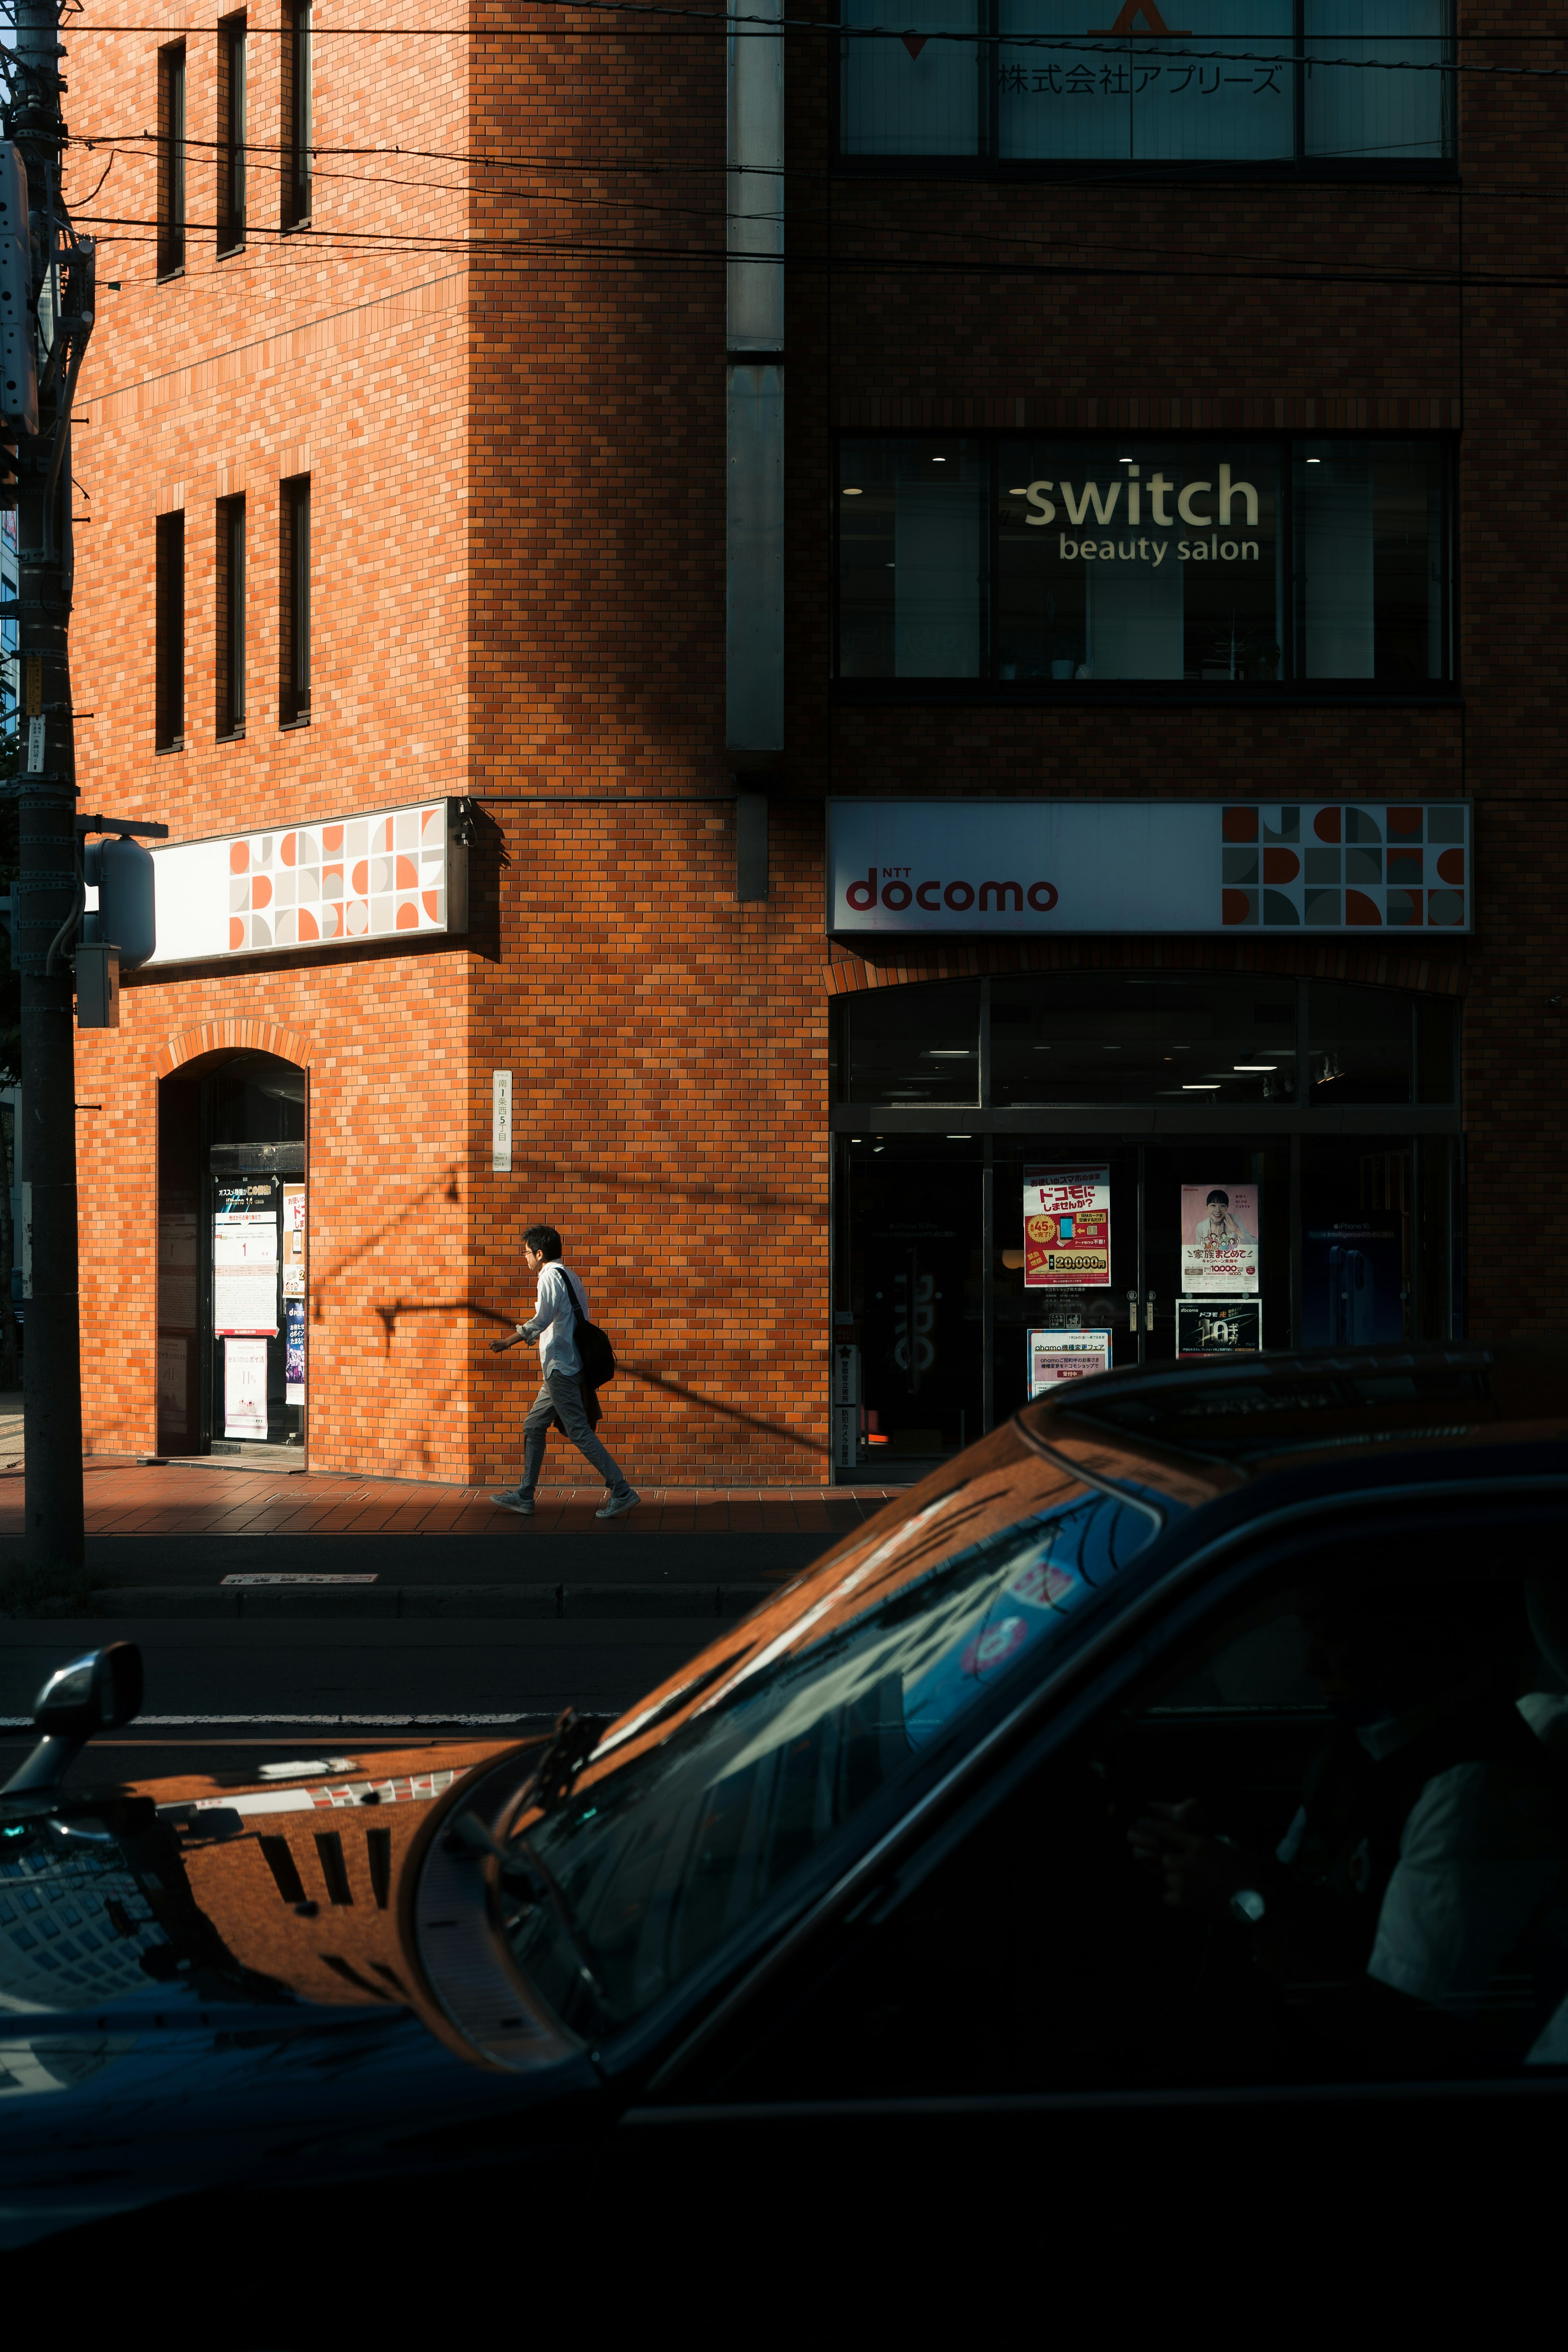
[[1034, 865], [1335, 865], [395, 874], [354, 880]]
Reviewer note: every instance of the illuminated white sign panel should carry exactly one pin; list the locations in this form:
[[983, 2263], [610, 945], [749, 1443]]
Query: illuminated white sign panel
[[1033, 866], [271, 893]]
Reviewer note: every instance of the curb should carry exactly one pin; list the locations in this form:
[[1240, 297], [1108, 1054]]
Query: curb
[[272, 1604]]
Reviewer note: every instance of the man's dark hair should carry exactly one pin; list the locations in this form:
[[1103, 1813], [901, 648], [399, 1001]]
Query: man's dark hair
[[544, 1239]]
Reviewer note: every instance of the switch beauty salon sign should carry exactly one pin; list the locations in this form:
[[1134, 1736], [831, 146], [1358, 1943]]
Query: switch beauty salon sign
[[1033, 866]]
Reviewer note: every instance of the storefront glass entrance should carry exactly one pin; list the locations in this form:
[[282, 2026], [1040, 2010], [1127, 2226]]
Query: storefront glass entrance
[[1214, 1166]]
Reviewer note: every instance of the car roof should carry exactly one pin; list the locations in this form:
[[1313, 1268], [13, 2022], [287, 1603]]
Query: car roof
[[1251, 1418]]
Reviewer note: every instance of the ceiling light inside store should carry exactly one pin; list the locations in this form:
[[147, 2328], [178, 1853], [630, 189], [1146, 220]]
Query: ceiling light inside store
[[947, 1053], [1200, 1087], [1019, 493], [1255, 1065], [851, 494], [1314, 461], [939, 461]]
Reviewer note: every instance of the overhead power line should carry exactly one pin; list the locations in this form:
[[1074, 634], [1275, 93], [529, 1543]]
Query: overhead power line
[[769, 28]]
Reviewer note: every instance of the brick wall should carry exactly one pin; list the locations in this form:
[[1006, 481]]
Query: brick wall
[[500, 360]]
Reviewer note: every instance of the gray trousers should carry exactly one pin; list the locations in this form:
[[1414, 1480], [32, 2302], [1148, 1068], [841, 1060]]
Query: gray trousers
[[561, 1393]]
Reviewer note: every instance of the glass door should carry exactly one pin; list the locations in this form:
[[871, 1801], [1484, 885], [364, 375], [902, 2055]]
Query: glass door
[[1216, 1248], [910, 1309]]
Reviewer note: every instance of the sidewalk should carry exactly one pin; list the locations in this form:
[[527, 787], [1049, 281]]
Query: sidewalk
[[125, 1498], [182, 1541]]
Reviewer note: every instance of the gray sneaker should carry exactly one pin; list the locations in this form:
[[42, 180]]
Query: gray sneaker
[[618, 1504], [513, 1500]]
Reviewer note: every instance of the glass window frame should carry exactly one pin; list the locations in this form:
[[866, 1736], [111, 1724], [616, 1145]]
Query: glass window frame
[[231, 567], [986, 161], [1288, 453], [299, 115], [172, 127], [169, 631], [295, 555], [233, 132]]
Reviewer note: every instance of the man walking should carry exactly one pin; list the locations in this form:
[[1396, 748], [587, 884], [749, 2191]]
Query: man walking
[[559, 1299]]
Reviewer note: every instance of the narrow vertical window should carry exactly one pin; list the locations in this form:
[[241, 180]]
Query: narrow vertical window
[[230, 618], [231, 65], [294, 619], [171, 160], [297, 113], [169, 629]]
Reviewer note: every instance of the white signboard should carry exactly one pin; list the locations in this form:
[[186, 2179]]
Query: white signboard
[[1059, 1356], [988, 865], [376, 876], [244, 1272], [500, 1123], [244, 1388]]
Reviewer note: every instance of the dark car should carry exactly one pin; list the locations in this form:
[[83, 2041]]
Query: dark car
[[1194, 1742]]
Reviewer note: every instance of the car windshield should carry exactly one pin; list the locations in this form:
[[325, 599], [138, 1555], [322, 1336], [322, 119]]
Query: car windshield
[[707, 1804]]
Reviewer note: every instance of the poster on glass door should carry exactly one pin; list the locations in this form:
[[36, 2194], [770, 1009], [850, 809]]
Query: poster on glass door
[[245, 1260], [1056, 1356], [245, 1388], [1066, 1228], [1219, 1240], [1219, 1326], [293, 1352], [293, 1241]]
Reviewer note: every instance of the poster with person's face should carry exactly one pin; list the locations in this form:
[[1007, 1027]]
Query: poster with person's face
[[1219, 1240], [1066, 1228]]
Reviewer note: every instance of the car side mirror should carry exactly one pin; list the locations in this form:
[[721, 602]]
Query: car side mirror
[[94, 1693]]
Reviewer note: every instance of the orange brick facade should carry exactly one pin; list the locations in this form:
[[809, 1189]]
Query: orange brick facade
[[499, 355]]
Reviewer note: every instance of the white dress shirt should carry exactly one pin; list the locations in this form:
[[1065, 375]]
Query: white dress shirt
[[553, 1323]]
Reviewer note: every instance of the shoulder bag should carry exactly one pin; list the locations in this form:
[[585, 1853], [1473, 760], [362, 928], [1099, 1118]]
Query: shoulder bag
[[594, 1353]]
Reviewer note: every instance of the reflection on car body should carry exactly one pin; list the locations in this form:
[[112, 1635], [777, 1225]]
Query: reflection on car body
[[1076, 1671]]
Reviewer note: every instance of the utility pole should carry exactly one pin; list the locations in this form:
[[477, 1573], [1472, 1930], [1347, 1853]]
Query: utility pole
[[49, 890]]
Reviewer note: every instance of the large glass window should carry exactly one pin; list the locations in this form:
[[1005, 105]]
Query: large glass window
[[913, 559], [1042, 1041], [1242, 561], [1250, 81]]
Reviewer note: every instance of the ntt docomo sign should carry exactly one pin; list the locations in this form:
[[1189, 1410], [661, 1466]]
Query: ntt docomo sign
[[894, 891], [1170, 866]]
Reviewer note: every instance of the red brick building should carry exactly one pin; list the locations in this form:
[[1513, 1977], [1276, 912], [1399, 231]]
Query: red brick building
[[1110, 479]]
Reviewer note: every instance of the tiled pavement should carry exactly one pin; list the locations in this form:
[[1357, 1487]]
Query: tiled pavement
[[125, 1498]]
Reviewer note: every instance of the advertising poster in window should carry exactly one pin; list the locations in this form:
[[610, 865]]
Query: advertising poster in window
[[245, 1274], [1219, 1326], [293, 1241], [1219, 1240], [294, 1351], [244, 1388], [1066, 1228], [245, 1257], [1352, 1284], [1056, 1356]]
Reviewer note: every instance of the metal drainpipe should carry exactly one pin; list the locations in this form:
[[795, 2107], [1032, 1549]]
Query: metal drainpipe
[[755, 334]]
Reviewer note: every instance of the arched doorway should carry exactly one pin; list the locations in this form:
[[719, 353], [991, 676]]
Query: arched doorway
[[233, 1238]]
